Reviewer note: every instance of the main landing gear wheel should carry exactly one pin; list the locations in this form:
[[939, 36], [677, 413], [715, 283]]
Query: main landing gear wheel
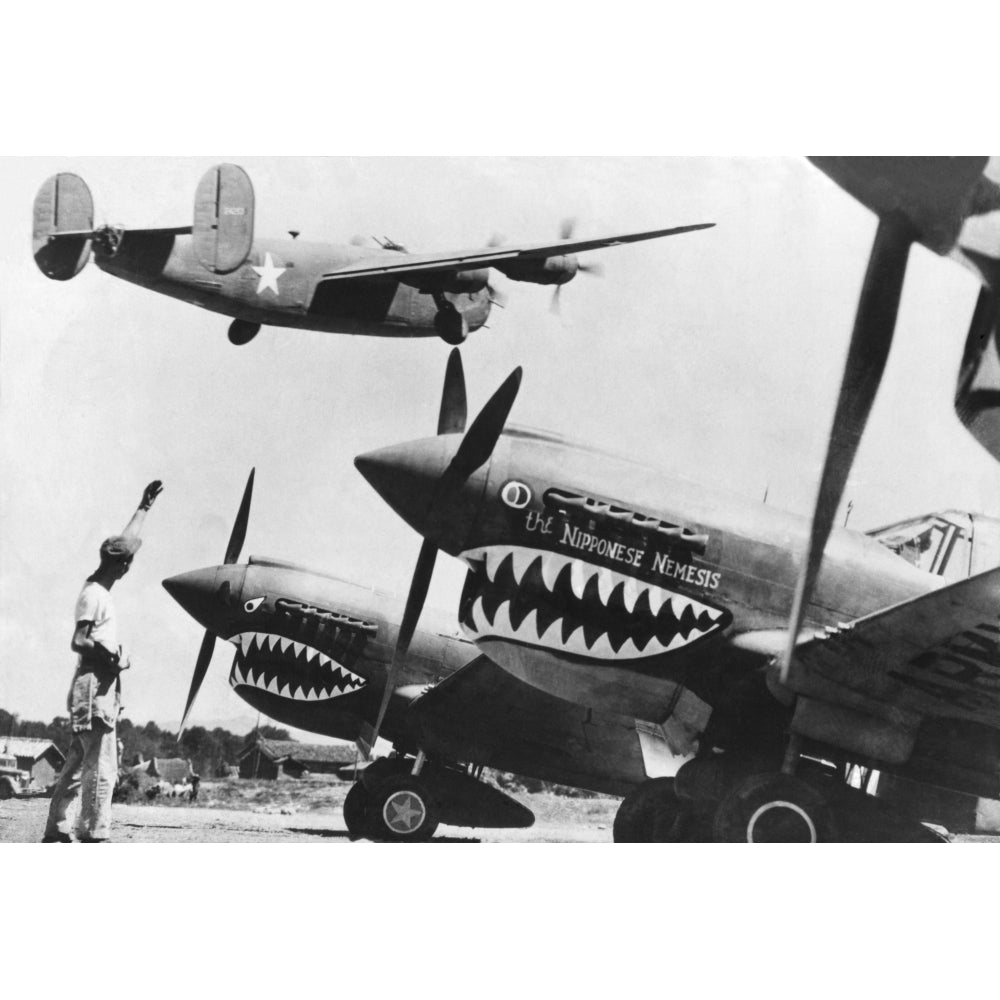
[[774, 809], [652, 814], [401, 809], [356, 810]]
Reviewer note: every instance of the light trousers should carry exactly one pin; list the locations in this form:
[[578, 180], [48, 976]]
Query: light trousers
[[89, 774]]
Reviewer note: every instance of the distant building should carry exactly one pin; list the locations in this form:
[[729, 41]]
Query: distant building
[[262, 758], [176, 770], [41, 758]]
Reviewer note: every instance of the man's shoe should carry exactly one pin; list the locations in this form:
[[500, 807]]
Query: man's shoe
[[92, 840], [57, 838]]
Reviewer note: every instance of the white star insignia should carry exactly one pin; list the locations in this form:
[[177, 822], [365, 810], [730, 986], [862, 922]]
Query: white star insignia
[[269, 275], [407, 813]]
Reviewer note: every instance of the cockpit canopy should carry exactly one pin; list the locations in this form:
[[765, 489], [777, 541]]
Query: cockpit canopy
[[952, 544]]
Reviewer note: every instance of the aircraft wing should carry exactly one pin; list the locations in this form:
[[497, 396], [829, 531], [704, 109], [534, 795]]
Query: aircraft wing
[[482, 713], [936, 655], [408, 263]]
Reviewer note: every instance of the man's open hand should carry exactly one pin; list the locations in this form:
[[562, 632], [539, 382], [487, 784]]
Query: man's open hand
[[152, 491]]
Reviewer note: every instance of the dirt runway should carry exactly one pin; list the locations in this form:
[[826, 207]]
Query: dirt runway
[[23, 821]]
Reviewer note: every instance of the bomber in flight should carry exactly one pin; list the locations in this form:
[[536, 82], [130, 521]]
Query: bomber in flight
[[218, 263]]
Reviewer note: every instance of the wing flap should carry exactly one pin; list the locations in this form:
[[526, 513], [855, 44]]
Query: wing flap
[[937, 655], [405, 264]]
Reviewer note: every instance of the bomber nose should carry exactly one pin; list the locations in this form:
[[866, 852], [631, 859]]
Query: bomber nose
[[203, 593], [408, 477]]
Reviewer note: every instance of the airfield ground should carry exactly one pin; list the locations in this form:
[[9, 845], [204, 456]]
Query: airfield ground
[[309, 811], [236, 811]]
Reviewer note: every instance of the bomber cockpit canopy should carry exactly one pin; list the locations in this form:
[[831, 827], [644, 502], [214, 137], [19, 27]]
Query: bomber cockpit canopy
[[953, 544]]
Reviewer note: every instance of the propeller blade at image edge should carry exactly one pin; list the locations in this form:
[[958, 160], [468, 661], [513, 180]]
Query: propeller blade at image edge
[[871, 339]]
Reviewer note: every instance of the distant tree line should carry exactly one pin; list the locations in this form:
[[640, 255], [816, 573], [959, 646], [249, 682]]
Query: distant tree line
[[210, 751]]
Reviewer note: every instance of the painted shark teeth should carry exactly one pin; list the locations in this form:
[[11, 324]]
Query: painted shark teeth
[[642, 620], [288, 669]]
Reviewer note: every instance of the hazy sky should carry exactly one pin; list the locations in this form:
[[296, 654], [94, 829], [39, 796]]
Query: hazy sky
[[715, 354]]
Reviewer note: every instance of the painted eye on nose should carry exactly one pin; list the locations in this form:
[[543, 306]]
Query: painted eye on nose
[[253, 605]]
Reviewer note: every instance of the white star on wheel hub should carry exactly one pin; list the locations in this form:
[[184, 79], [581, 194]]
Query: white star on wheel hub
[[403, 812], [268, 275]]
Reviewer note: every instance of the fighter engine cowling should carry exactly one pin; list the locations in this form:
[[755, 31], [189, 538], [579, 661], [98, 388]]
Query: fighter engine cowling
[[543, 270], [455, 282]]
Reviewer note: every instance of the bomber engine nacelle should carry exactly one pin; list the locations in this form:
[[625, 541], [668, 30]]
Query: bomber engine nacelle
[[543, 270], [456, 282], [62, 227], [222, 232]]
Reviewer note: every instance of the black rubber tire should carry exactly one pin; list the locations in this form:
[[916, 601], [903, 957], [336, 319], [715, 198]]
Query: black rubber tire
[[7, 789], [652, 814], [391, 810], [356, 810], [774, 808]]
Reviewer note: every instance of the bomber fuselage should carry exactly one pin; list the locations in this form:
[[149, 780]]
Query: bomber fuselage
[[280, 283]]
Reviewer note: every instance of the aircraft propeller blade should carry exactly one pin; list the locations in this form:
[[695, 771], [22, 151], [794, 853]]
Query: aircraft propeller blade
[[567, 228], [236, 540], [239, 534], [200, 669], [419, 585], [871, 339], [475, 448], [595, 270], [454, 408], [481, 438]]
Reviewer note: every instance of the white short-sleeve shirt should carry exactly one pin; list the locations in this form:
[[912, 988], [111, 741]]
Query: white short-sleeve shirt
[[95, 605]]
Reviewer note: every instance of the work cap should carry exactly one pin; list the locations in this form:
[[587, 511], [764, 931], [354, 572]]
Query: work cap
[[120, 547]]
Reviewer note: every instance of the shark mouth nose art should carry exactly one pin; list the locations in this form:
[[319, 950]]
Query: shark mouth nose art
[[289, 669], [545, 599]]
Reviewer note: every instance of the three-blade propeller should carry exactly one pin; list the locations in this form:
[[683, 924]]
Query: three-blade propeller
[[474, 451], [233, 550]]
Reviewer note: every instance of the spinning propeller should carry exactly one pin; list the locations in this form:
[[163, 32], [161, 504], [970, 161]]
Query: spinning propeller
[[474, 451], [566, 231], [233, 549]]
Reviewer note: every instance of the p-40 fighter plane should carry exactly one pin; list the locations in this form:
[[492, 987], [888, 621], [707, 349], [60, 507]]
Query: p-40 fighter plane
[[600, 581], [217, 264], [331, 657]]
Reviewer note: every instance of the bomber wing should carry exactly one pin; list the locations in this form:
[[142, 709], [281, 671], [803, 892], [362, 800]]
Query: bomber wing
[[935, 655], [484, 714], [400, 265]]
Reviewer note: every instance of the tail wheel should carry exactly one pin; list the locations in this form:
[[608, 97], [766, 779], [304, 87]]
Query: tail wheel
[[356, 809], [774, 809], [652, 814], [401, 809]]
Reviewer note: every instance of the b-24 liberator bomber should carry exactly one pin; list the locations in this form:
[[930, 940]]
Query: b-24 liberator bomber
[[335, 658], [218, 263], [600, 581]]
